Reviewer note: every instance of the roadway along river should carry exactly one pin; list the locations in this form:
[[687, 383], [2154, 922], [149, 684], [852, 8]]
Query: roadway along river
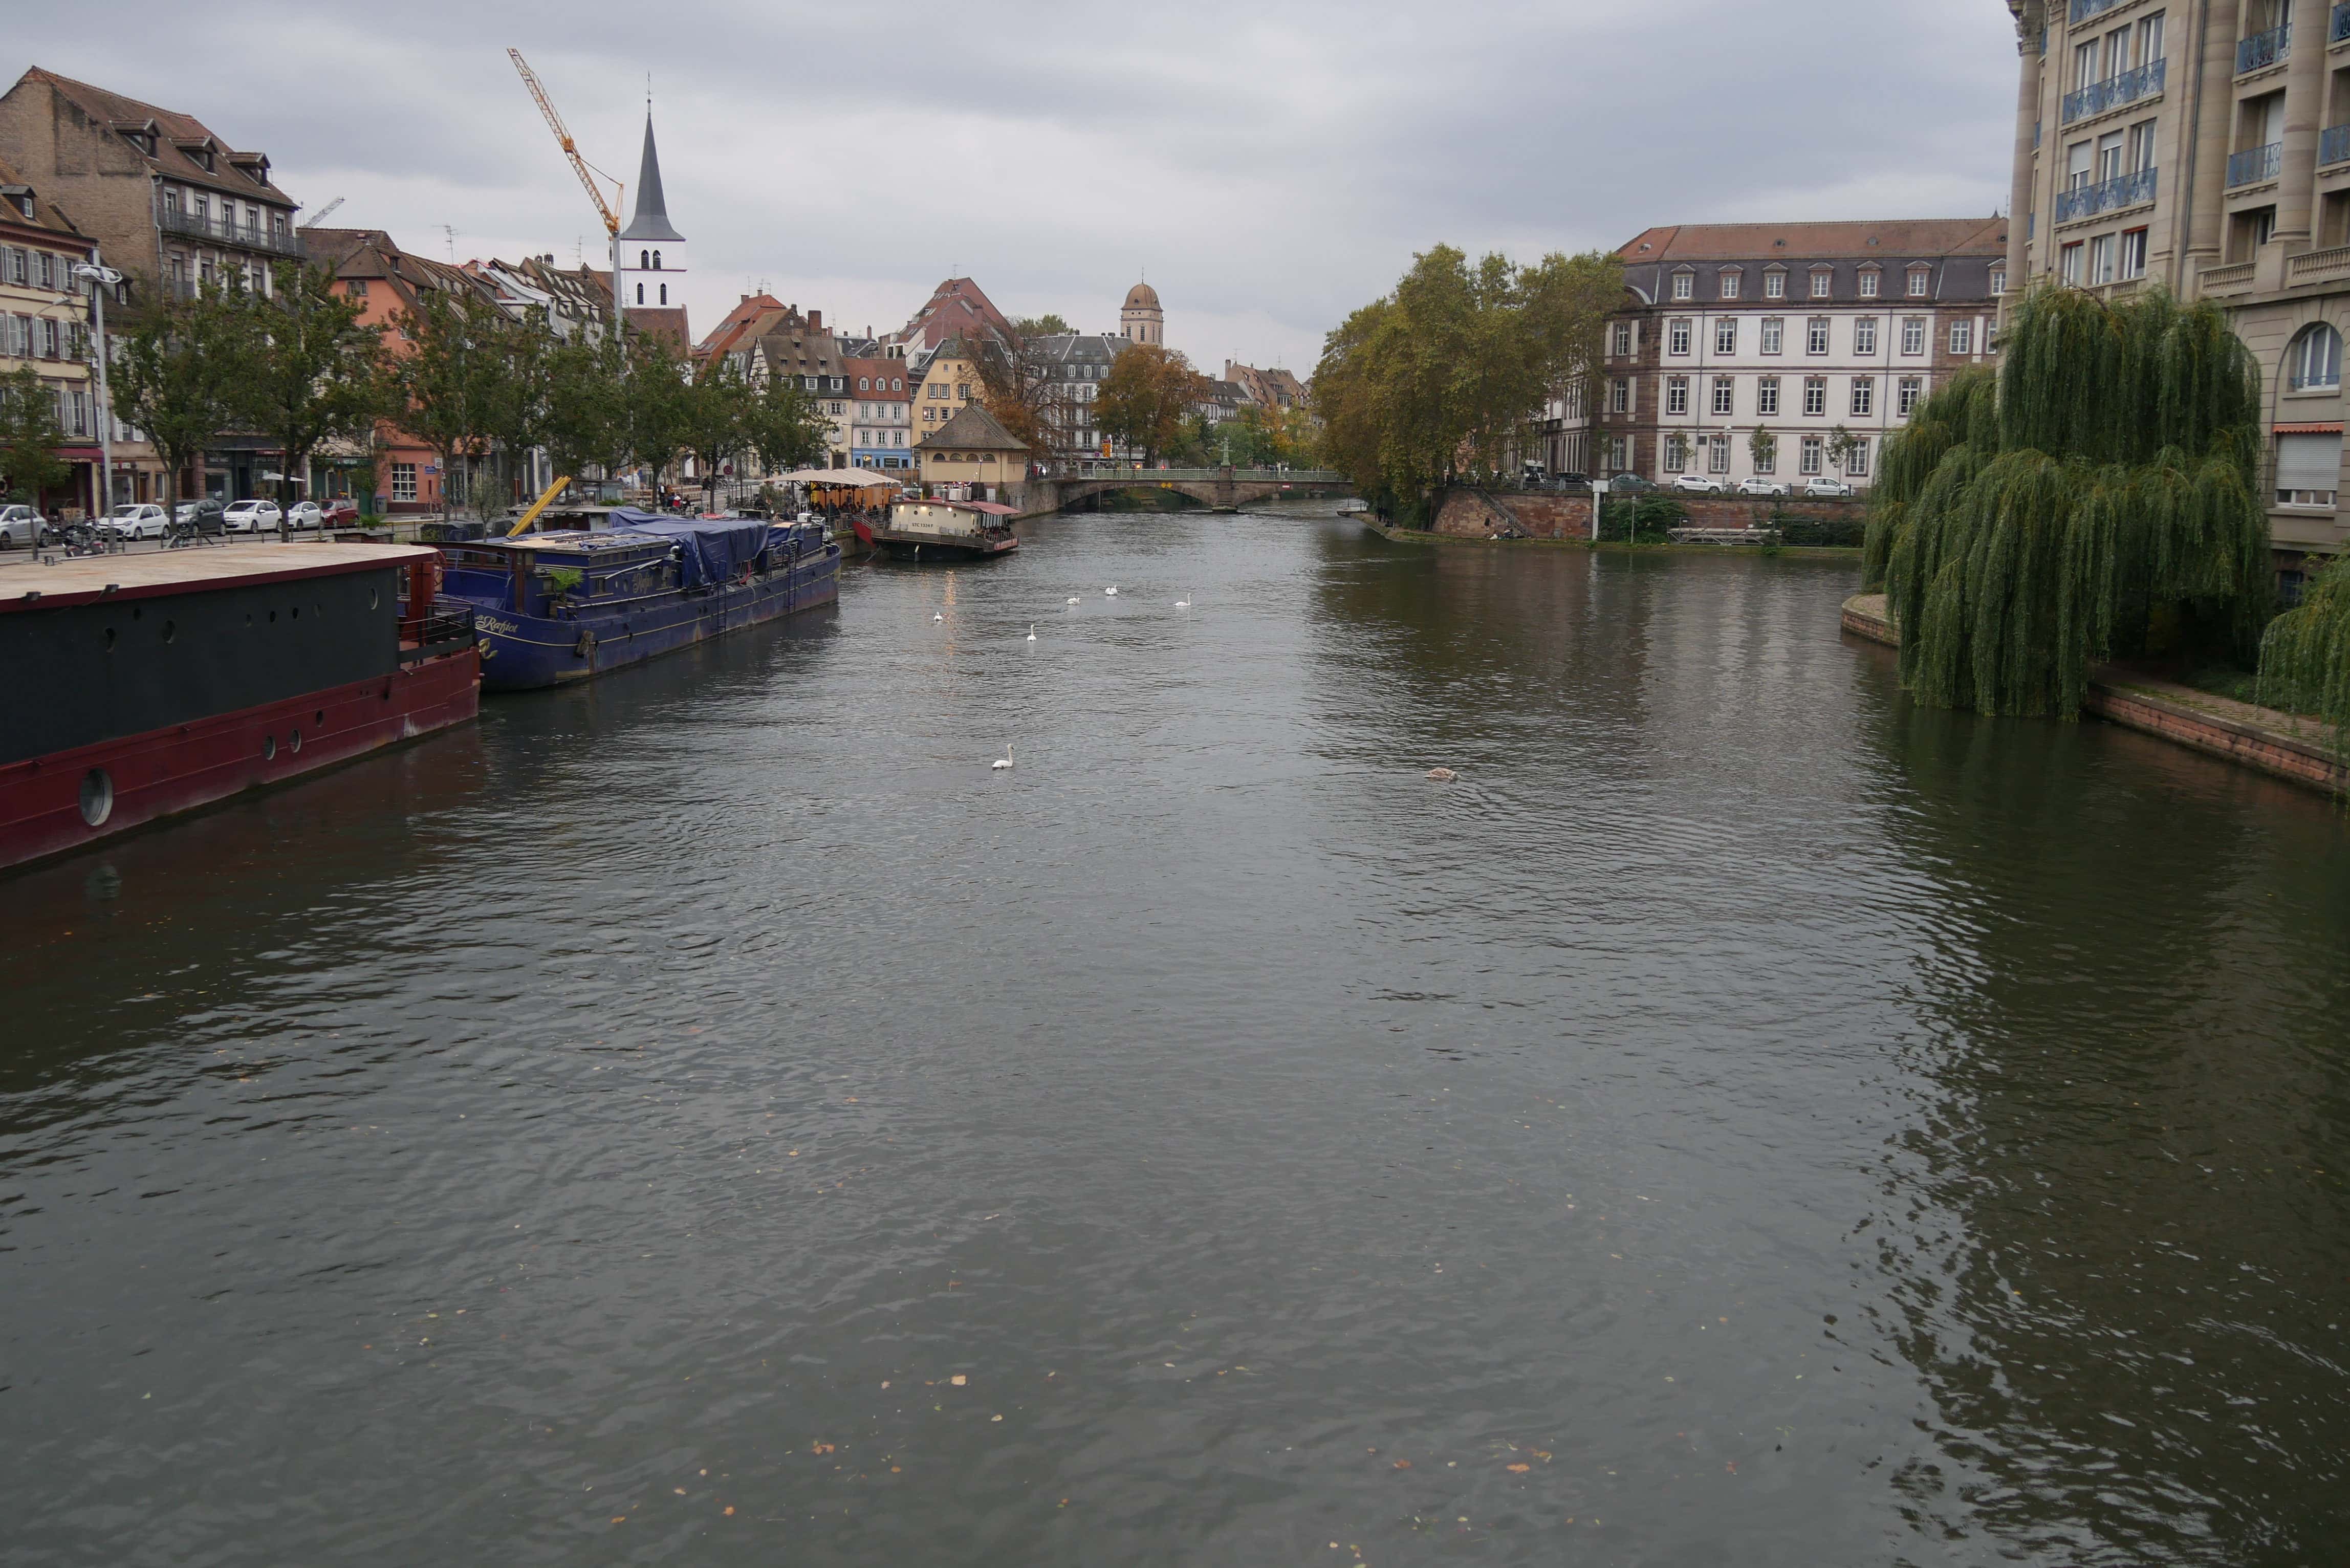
[[709, 1116]]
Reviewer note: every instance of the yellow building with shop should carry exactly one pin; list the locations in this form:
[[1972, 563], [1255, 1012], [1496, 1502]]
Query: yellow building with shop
[[973, 450]]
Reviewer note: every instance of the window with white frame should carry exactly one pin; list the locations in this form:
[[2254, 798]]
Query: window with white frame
[[403, 482], [1816, 395], [1621, 338], [1676, 336], [1684, 285], [1619, 452], [1962, 336], [2101, 259], [1917, 282], [1774, 286], [1725, 395], [1822, 282], [2133, 256], [1676, 453], [1864, 336], [1864, 397], [1911, 390], [1810, 454], [1730, 285], [1775, 333], [1766, 397], [1717, 454], [1999, 280], [1619, 395], [1767, 459], [1913, 335], [2068, 264], [1725, 336], [1856, 458], [1868, 279], [1816, 335], [1676, 394]]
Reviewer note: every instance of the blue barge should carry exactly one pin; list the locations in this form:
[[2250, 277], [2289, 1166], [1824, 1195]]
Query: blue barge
[[554, 608]]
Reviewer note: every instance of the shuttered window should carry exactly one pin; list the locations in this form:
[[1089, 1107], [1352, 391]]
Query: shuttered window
[[2309, 467]]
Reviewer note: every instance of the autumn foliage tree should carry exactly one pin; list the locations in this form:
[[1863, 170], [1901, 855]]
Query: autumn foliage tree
[[1146, 397]]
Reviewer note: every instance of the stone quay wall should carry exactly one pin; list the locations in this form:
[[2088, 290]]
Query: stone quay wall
[[1468, 513]]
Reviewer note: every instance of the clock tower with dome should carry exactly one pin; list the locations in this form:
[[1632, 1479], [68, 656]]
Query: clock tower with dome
[[1140, 320]]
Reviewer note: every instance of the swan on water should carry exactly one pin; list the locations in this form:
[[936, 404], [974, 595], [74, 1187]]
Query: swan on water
[[1073, 598], [1032, 635], [1111, 590], [1442, 775], [940, 615], [1182, 604], [1005, 761]]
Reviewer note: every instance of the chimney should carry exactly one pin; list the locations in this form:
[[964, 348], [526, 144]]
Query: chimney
[[816, 321]]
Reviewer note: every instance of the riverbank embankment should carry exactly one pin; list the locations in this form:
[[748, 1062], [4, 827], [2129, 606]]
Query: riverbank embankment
[[2286, 745], [1401, 536]]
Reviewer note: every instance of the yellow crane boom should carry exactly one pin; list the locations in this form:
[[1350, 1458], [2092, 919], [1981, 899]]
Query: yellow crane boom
[[563, 136]]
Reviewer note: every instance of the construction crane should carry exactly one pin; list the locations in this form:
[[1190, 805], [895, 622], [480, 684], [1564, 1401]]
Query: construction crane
[[323, 214], [570, 148]]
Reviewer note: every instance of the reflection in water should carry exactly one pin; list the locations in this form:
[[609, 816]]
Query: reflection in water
[[1741, 1119]]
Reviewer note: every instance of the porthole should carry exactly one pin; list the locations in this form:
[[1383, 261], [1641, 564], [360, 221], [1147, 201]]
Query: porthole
[[374, 598], [268, 748], [319, 717], [96, 796], [110, 639], [248, 617], [294, 741], [272, 618], [170, 630], [138, 612], [297, 612]]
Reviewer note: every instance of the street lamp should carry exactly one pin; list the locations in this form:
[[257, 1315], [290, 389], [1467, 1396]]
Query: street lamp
[[106, 277]]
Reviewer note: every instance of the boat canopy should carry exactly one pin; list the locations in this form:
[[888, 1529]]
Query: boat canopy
[[713, 550]]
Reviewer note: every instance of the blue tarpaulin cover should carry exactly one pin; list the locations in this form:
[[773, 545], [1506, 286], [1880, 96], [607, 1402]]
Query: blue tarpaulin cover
[[714, 550]]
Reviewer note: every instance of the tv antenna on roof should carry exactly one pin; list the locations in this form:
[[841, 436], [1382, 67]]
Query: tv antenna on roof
[[452, 233]]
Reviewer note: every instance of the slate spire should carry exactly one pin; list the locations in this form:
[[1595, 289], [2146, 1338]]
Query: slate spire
[[651, 220]]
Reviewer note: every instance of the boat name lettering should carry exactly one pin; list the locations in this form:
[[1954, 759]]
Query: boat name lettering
[[491, 623]]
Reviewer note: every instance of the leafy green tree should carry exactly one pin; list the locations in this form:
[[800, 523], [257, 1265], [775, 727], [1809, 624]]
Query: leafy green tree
[[314, 372], [587, 420], [716, 421], [1146, 397], [1763, 447], [2098, 500], [454, 376], [519, 407], [178, 375], [783, 427], [1439, 379], [30, 438], [1048, 325], [658, 416], [2306, 655]]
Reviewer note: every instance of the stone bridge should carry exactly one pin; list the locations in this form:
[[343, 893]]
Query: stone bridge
[[1223, 489]]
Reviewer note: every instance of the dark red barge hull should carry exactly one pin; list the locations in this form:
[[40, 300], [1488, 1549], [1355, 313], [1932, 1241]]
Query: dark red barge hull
[[185, 767]]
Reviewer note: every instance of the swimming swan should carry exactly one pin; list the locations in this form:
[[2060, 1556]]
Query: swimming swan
[[1005, 761], [1032, 635]]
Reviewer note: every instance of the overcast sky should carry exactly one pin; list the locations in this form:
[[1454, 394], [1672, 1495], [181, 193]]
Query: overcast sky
[[1269, 166]]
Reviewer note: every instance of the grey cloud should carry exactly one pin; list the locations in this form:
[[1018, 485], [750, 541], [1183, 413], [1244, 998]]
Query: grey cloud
[[1273, 167]]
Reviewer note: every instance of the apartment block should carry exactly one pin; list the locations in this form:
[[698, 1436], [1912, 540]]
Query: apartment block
[[2204, 148], [1824, 336]]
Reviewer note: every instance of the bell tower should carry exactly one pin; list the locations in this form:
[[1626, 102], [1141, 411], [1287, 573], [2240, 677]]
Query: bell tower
[[650, 267], [1140, 320]]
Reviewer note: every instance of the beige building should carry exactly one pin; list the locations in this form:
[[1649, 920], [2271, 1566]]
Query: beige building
[[2205, 149], [43, 329], [974, 454]]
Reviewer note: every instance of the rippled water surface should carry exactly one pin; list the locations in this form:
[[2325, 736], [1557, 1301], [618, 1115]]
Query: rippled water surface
[[709, 1116]]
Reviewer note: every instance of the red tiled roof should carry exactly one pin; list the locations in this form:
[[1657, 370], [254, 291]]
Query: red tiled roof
[[172, 127]]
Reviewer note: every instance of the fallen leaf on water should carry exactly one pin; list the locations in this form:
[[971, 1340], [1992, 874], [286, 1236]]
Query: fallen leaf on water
[[996, 1417], [679, 1489], [620, 1519], [958, 1380], [729, 1510], [1519, 1470], [1403, 1464], [885, 1383]]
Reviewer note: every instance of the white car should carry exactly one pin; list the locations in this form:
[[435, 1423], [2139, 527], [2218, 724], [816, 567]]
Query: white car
[[1700, 484], [251, 517], [136, 520], [305, 515], [1824, 485], [1759, 486], [19, 525]]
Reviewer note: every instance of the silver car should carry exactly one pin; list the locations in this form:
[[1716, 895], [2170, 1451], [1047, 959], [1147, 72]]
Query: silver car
[[305, 515], [19, 525], [251, 517]]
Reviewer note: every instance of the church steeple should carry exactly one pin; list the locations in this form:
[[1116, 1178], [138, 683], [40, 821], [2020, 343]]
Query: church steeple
[[651, 220]]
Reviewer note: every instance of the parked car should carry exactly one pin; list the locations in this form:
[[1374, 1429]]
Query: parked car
[[1824, 485], [136, 520], [339, 514], [1700, 484], [251, 517], [1571, 480], [1761, 486], [204, 512], [302, 515], [1629, 485], [19, 525]]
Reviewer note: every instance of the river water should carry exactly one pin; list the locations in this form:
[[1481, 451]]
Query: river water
[[711, 1116]]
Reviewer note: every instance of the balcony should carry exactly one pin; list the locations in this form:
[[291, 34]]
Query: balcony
[[2315, 266], [2333, 144], [2262, 51], [2084, 9], [2233, 278], [2105, 196], [172, 221], [2254, 164], [2337, 25], [2128, 87]]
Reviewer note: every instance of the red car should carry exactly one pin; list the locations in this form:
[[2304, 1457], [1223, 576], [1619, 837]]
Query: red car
[[338, 514]]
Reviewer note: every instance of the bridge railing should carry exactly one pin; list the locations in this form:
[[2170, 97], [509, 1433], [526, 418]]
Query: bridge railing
[[1198, 475]]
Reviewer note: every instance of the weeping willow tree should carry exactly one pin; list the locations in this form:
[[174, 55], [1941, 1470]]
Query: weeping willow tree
[[2097, 500], [2305, 656]]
